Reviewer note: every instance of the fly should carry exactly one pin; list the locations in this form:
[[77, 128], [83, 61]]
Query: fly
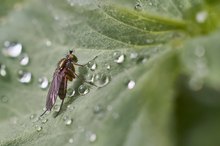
[[64, 72]]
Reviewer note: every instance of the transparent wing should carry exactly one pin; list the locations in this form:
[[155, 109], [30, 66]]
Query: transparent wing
[[54, 89]]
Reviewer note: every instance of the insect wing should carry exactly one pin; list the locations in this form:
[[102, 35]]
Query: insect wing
[[54, 89]]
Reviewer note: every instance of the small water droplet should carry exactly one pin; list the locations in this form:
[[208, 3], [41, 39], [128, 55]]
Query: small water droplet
[[24, 60], [91, 136], [4, 99], [118, 57], [201, 16], [131, 84], [134, 55], [138, 6], [43, 121], [56, 108], [108, 67], [68, 121], [71, 92], [24, 77], [70, 107], [48, 43], [97, 109], [43, 82], [83, 89], [38, 128], [101, 79], [33, 117], [90, 77], [12, 49], [92, 65], [70, 140], [3, 71]]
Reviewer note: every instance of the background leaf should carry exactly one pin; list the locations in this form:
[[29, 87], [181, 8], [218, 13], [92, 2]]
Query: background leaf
[[169, 49]]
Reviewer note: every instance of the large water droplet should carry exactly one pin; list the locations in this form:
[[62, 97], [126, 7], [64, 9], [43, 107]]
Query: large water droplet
[[92, 65], [131, 84], [3, 72], [43, 82], [24, 60], [101, 79], [83, 89], [24, 77], [12, 49], [90, 77], [201, 16], [118, 57], [4, 99]]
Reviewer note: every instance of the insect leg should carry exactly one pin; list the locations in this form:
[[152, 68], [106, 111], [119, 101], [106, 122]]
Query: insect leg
[[43, 113], [82, 65]]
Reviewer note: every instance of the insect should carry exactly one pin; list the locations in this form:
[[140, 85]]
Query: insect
[[65, 71]]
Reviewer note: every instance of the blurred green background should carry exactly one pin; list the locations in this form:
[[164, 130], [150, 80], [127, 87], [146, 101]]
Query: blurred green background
[[157, 72]]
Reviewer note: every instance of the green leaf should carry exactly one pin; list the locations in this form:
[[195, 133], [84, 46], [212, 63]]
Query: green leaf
[[168, 53]]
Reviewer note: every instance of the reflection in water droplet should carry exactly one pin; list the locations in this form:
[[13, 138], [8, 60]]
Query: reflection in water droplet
[[92, 65], [24, 60], [90, 77], [131, 84], [83, 89], [38, 128], [118, 57], [24, 77], [71, 92], [91, 136], [101, 79], [201, 16], [3, 72], [70, 140], [4, 99], [43, 82], [12, 49]]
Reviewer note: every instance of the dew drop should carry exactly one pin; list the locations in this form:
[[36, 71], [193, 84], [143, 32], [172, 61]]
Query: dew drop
[[48, 43], [138, 6], [12, 49], [33, 117], [24, 77], [4, 99], [38, 128], [92, 65], [108, 67], [43, 121], [71, 92], [201, 16], [24, 60], [70, 140], [101, 79], [43, 82], [90, 77], [131, 84], [91, 136], [118, 57], [3, 72], [134, 55], [68, 121], [97, 109], [83, 89], [56, 108]]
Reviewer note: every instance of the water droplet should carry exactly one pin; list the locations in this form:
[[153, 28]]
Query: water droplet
[[101, 79], [3, 72], [131, 84], [24, 77], [43, 82], [24, 60], [92, 65], [97, 109], [12, 49], [70, 140], [118, 57], [43, 121], [48, 43], [108, 67], [33, 117], [90, 77], [70, 107], [91, 136], [200, 51], [201, 16], [68, 121], [71, 92], [138, 6], [134, 55], [4, 99], [56, 108], [38, 128], [83, 89]]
